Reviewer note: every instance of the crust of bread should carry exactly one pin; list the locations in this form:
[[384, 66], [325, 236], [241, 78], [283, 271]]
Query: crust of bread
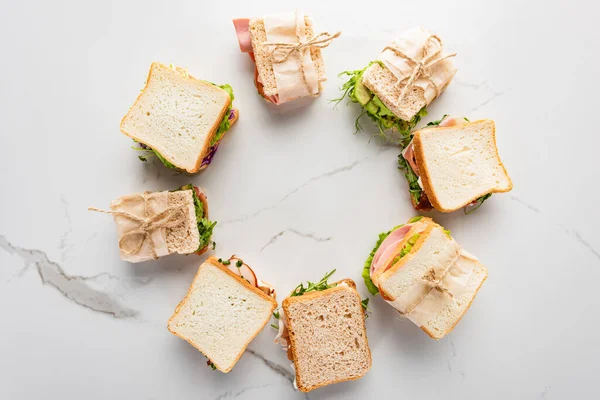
[[425, 177], [431, 335], [289, 300], [315, 55], [153, 69], [236, 115], [213, 260], [417, 246], [399, 248]]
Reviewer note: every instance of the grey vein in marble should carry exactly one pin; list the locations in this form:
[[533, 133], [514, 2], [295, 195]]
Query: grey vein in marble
[[278, 369], [232, 395], [532, 208], [544, 394], [327, 174], [586, 244], [312, 236], [100, 293]]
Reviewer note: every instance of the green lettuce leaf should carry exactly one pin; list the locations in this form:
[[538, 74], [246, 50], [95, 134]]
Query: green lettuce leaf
[[412, 178], [205, 227], [479, 201], [377, 111], [366, 273], [225, 124]]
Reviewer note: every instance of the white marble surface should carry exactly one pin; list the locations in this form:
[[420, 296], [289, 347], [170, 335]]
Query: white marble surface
[[295, 194]]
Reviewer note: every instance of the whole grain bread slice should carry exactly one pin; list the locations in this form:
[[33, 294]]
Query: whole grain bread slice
[[183, 239], [177, 115], [221, 314], [328, 338], [264, 60]]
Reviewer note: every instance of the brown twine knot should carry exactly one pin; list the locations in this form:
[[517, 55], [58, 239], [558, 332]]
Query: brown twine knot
[[169, 218], [320, 41], [422, 67], [435, 282]]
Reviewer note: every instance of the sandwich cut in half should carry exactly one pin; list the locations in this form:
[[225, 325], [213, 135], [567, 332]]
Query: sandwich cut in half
[[453, 163], [422, 272], [395, 90], [322, 329], [286, 52], [224, 309], [179, 119], [152, 225]]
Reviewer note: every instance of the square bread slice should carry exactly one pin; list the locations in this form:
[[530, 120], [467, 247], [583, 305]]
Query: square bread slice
[[264, 60], [328, 338], [177, 115], [221, 314], [459, 164]]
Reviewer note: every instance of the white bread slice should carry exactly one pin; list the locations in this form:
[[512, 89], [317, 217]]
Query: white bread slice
[[328, 338], [221, 314], [433, 248], [384, 84], [263, 58], [453, 311], [177, 115], [459, 164], [185, 238]]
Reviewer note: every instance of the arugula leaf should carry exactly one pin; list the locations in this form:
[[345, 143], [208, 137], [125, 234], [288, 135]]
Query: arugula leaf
[[365, 304], [437, 122], [479, 201], [276, 314], [378, 112], [313, 287], [274, 327], [412, 178], [205, 227]]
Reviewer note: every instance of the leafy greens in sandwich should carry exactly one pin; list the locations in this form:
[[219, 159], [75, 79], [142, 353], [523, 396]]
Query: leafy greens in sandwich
[[205, 226]]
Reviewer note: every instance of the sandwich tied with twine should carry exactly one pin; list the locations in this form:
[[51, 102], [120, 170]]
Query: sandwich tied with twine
[[422, 66], [281, 51], [131, 242]]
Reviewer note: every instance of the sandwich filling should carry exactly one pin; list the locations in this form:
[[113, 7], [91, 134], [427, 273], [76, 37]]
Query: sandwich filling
[[386, 252], [375, 109], [224, 126], [407, 162], [205, 226], [241, 269]]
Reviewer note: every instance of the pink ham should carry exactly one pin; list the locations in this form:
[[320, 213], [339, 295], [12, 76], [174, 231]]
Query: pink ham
[[242, 29], [389, 244], [452, 121]]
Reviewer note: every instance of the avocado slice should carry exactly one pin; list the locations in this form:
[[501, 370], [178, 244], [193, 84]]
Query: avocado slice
[[371, 108], [363, 95]]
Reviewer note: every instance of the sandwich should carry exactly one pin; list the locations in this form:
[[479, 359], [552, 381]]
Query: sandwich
[[453, 163], [224, 309], [286, 53], [179, 119], [152, 225], [322, 329], [422, 272], [395, 90]]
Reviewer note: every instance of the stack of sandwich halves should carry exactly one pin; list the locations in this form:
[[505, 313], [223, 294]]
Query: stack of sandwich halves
[[417, 267]]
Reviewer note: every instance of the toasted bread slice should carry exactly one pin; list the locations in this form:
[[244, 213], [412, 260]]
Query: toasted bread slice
[[459, 164], [328, 339], [221, 314], [263, 58], [177, 115]]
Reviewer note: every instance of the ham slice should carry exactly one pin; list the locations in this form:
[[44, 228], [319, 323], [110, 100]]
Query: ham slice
[[389, 244], [245, 272], [242, 29]]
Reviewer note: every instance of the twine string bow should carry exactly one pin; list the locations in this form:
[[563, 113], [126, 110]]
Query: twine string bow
[[281, 51], [168, 218], [435, 282], [422, 67]]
